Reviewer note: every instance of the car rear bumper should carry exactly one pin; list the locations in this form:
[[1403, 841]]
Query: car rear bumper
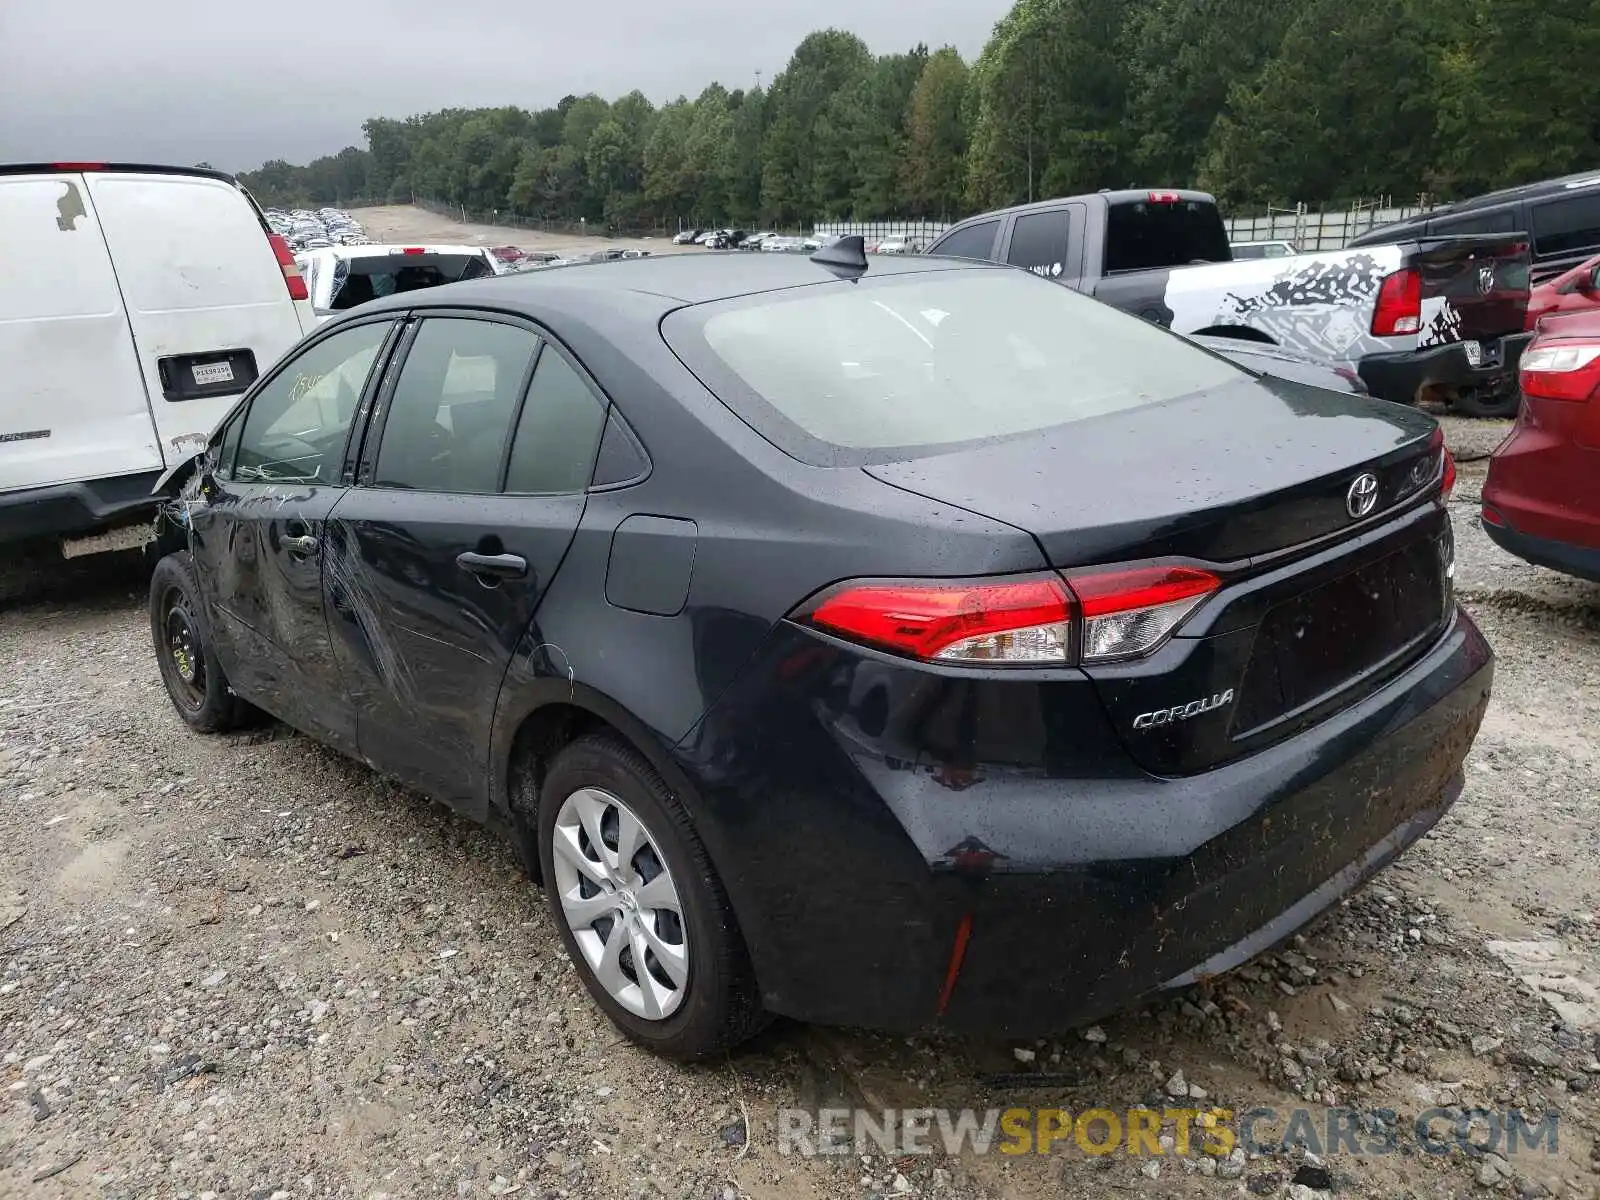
[[907, 850], [1402, 377], [1536, 497], [1566, 557], [74, 508]]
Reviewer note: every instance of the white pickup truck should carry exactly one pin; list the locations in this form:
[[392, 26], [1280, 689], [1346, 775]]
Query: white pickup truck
[[1439, 317]]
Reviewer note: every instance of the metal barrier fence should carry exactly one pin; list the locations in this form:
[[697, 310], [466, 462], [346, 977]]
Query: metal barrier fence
[[919, 232], [1326, 230]]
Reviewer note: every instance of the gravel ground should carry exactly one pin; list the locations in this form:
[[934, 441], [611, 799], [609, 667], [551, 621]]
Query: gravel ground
[[405, 223], [247, 967]]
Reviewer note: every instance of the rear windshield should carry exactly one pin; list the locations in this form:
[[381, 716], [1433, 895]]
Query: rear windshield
[[357, 280], [1141, 235], [911, 364]]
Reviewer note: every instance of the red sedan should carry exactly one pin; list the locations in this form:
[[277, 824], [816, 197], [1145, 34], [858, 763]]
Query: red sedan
[[1542, 498], [1575, 290]]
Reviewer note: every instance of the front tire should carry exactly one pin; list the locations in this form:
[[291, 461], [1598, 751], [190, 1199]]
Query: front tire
[[194, 679], [641, 911]]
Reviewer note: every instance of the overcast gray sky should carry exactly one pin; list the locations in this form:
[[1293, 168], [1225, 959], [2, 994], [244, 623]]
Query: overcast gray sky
[[234, 84]]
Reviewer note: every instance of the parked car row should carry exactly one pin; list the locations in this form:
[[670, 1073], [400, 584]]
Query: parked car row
[[303, 229]]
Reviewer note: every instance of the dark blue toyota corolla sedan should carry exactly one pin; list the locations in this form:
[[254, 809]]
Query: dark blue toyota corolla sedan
[[915, 646]]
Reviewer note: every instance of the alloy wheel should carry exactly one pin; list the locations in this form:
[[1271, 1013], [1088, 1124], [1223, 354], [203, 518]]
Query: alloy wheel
[[620, 902]]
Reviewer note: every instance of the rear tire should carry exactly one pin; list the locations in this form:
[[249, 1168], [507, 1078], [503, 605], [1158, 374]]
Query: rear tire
[[642, 914], [194, 680]]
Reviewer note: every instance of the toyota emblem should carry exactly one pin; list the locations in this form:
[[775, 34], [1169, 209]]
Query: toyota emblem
[[1486, 278], [1362, 497]]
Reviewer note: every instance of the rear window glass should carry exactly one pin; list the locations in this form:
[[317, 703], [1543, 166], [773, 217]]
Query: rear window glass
[[1503, 221], [915, 363], [1141, 235], [357, 280], [1562, 226], [975, 241]]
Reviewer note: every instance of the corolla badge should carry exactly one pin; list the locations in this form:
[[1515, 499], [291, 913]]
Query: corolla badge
[[1362, 497], [1182, 712]]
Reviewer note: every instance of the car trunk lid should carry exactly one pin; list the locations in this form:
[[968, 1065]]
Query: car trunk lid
[[1178, 479], [1322, 598]]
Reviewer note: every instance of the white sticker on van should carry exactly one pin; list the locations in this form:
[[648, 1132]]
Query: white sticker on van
[[206, 374]]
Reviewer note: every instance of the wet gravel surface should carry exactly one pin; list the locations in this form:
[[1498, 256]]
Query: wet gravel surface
[[246, 967]]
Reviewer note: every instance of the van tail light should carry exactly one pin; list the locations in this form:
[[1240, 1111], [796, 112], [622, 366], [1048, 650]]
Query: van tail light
[[1561, 370], [1399, 307], [1098, 615], [290, 268]]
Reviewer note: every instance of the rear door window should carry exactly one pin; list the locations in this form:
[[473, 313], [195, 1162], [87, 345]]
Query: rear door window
[[1143, 235], [558, 433], [1568, 225], [975, 241], [453, 405], [1039, 242]]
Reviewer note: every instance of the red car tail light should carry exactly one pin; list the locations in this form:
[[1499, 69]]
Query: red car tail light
[[1024, 620], [1034, 620], [1399, 307], [1567, 370], [1449, 475], [1128, 612], [291, 269]]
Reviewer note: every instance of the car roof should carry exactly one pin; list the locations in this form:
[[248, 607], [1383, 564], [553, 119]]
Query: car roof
[[678, 278]]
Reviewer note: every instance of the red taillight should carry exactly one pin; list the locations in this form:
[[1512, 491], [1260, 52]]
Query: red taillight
[[1128, 612], [290, 268], [1399, 308], [1164, 197], [1561, 370], [413, 250], [78, 166], [1448, 483], [1025, 620], [1035, 620]]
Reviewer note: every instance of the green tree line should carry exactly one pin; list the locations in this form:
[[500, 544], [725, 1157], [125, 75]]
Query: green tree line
[[1259, 102]]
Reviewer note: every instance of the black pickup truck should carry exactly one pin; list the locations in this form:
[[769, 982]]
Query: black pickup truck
[[1430, 317]]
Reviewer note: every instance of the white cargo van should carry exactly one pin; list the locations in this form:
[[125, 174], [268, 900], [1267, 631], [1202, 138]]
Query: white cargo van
[[136, 304]]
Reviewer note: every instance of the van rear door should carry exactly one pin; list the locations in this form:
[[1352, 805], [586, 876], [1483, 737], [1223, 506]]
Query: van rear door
[[72, 400], [204, 292]]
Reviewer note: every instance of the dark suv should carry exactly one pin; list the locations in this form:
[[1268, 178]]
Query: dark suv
[[1562, 216]]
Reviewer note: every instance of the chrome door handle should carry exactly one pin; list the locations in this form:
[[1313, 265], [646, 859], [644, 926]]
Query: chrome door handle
[[304, 544]]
